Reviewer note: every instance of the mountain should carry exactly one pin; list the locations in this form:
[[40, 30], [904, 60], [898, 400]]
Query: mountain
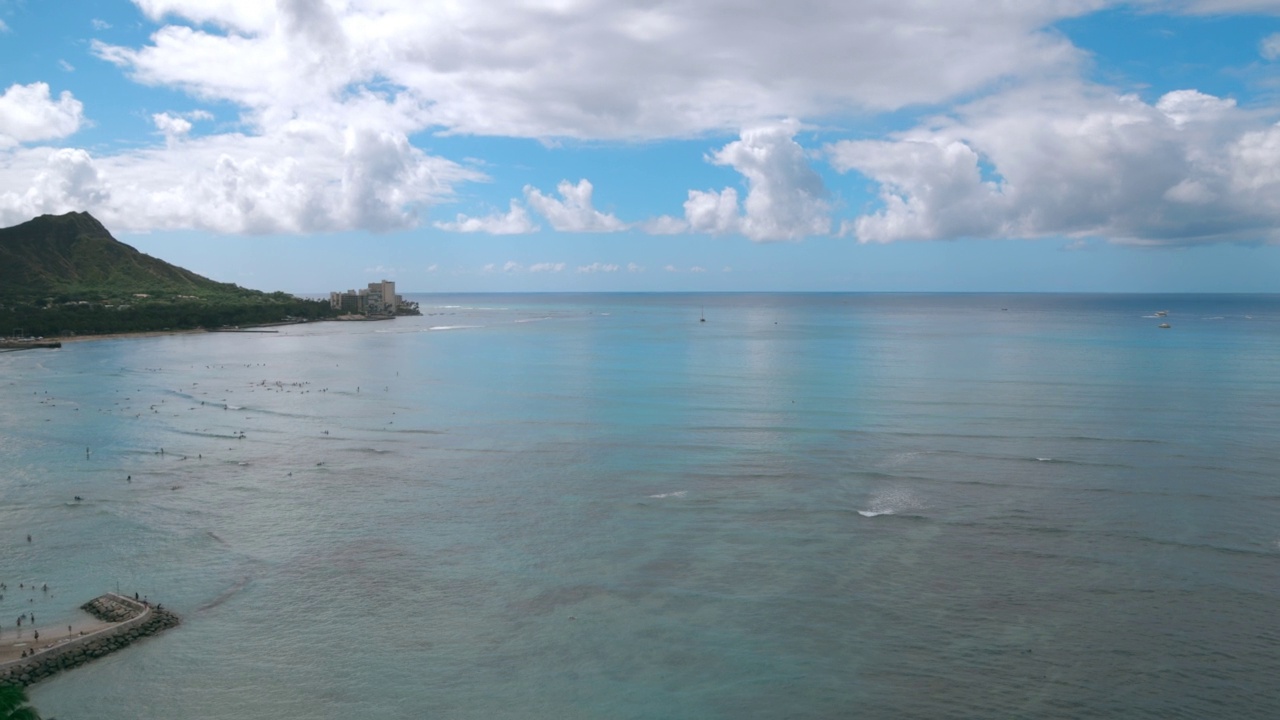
[[74, 255], [66, 275]]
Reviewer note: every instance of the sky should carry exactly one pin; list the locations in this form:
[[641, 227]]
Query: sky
[[647, 145]]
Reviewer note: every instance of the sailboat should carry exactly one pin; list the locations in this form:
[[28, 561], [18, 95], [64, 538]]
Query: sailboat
[[702, 314]]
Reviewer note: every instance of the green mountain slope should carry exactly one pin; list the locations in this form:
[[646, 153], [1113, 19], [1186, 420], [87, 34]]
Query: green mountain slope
[[73, 254], [65, 274]]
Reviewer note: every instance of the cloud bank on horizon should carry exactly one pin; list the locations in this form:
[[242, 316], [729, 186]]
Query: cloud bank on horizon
[[878, 121]]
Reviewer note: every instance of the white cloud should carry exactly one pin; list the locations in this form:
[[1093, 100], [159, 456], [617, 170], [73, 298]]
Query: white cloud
[[670, 268], [66, 66], [786, 199], [597, 70], [574, 213], [3, 28], [632, 267], [1078, 161], [712, 212], [697, 269], [727, 269], [598, 267], [99, 24], [28, 113], [547, 267], [303, 179], [515, 221], [433, 267], [512, 266], [170, 125], [1216, 7], [65, 180], [665, 225], [1183, 106], [1270, 47]]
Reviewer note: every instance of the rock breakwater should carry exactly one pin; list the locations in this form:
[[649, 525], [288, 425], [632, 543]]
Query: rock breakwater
[[132, 620]]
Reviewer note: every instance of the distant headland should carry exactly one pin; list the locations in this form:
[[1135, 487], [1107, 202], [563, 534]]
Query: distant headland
[[65, 275]]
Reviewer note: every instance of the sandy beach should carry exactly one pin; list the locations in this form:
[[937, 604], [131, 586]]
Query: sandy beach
[[116, 336], [12, 645]]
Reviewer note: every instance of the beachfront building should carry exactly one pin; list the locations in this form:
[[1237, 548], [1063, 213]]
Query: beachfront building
[[382, 298], [379, 298], [350, 302]]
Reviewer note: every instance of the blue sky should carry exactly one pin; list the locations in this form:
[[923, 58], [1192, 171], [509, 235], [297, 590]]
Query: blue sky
[[575, 145]]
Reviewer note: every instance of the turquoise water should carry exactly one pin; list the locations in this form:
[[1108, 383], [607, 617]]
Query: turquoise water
[[595, 506]]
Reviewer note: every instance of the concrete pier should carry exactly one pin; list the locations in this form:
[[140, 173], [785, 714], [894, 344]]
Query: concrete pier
[[127, 622]]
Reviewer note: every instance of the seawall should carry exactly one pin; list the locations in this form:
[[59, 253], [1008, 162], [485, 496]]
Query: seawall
[[132, 621]]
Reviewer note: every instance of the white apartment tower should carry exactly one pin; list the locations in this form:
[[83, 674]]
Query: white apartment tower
[[382, 298]]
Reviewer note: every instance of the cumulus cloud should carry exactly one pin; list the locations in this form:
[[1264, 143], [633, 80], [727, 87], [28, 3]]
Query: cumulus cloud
[[515, 221], [1077, 161], [594, 69], [1270, 47], [598, 267], [64, 180], [309, 179], [171, 126], [574, 211], [786, 199], [633, 267], [362, 76], [547, 267], [29, 113]]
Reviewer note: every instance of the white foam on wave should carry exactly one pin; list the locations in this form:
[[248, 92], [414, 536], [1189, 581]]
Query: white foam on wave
[[234, 407], [452, 327], [525, 320], [1045, 459], [891, 502], [677, 494]]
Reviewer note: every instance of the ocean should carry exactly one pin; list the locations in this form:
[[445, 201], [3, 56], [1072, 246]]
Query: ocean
[[598, 506]]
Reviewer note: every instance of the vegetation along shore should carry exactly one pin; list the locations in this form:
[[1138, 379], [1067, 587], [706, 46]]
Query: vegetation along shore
[[65, 276]]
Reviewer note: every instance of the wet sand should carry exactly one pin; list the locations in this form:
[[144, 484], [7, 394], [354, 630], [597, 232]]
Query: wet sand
[[11, 645]]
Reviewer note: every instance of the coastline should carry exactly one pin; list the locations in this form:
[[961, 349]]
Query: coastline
[[161, 333], [12, 647], [117, 336]]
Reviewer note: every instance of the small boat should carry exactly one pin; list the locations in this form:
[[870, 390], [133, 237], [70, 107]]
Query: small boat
[[1164, 326], [702, 317], [1162, 313]]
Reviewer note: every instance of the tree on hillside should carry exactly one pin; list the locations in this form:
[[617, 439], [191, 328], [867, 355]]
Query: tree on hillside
[[13, 704]]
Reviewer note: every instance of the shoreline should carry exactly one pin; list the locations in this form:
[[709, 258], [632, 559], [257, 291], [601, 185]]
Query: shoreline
[[162, 333], [120, 335], [11, 648]]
